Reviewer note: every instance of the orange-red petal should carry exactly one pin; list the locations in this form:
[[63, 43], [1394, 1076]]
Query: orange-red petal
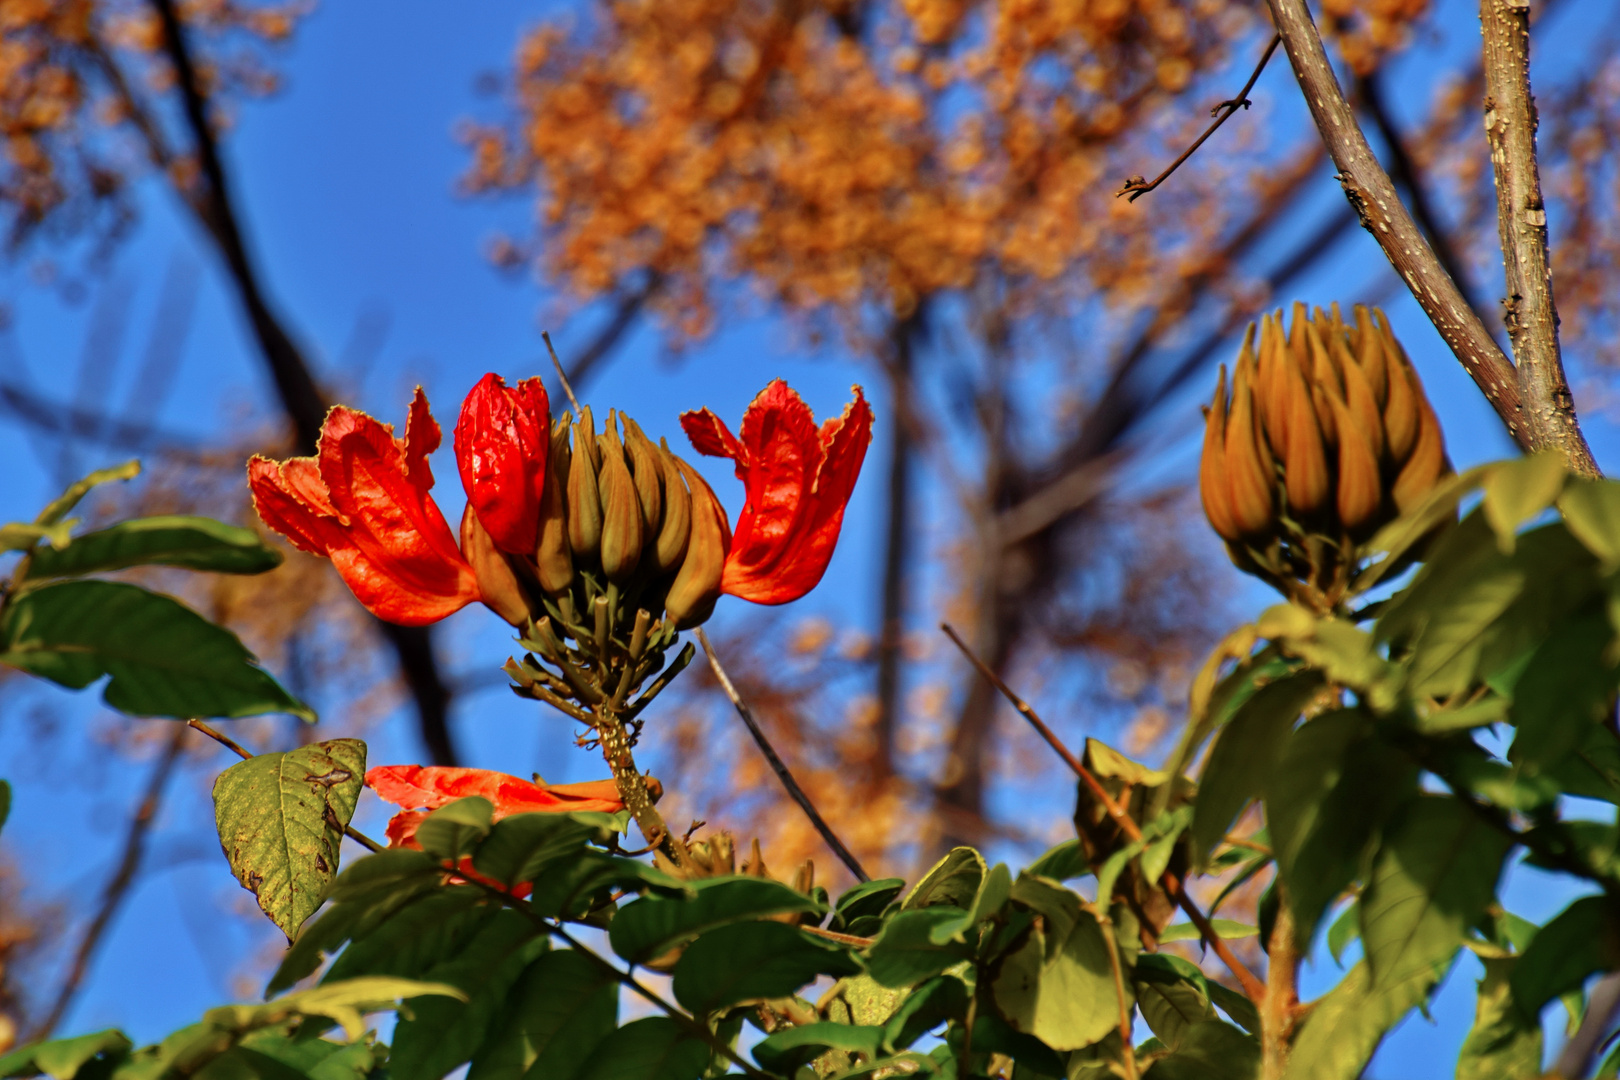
[[502, 439], [429, 787]]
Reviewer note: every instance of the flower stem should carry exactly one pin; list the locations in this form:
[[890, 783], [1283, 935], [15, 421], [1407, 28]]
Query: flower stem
[[632, 788]]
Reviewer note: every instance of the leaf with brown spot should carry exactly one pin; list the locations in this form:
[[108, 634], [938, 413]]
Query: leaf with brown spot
[[281, 819]]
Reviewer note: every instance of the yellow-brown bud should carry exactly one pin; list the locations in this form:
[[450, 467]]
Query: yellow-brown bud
[[1360, 492], [676, 529], [584, 501], [621, 508], [498, 586], [696, 587], [1369, 349], [1305, 475], [1252, 502], [1214, 488], [1428, 461], [553, 559], [645, 471]]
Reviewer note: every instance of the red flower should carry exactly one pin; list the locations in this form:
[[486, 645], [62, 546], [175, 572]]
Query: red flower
[[363, 502], [501, 443], [798, 480], [420, 788]]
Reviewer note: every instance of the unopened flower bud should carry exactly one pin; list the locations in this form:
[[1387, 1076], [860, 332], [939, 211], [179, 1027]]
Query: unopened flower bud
[[645, 471], [1305, 475], [584, 501], [1252, 503], [1360, 492], [676, 528], [553, 559], [621, 507], [696, 587], [498, 586], [1214, 488], [1428, 461]]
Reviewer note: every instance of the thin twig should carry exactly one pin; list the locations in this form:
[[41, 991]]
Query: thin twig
[[117, 891], [1529, 311], [1127, 1048], [793, 789], [1173, 885], [562, 376], [902, 452], [225, 740], [1136, 187], [1372, 195]]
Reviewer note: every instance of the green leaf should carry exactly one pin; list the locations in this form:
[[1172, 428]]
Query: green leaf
[[164, 658], [443, 1033], [1520, 489], [1057, 983], [61, 1059], [59, 507], [656, 1048], [409, 942], [933, 1003], [1582, 940], [1591, 771], [1401, 537], [953, 880], [1227, 928], [747, 960], [1210, 1049], [1564, 693], [524, 847], [194, 543], [1591, 509], [281, 819], [1171, 1006], [1333, 786], [909, 950], [456, 828], [650, 927], [1433, 877], [1503, 1044], [790, 1049], [1343, 1031], [305, 1055], [1345, 929], [344, 1002], [864, 905], [556, 1014], [1245, 754], [571, 885], [1062, 863]]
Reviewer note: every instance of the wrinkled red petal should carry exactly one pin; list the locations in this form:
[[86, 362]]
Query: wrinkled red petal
[[709, 436], [432, 786], [402, 829], [280, 507], [422, 437], [501, 441]]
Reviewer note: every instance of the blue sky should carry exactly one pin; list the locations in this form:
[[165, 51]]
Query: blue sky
[[345, 183]]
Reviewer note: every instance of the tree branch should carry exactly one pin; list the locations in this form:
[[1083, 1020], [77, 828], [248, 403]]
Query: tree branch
[[1372, 195], [1529, 312], [117, 891], [301, 399], [891, 629]]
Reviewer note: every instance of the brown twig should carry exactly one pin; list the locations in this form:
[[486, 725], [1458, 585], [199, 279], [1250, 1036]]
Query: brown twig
[[1529, 311], [902, 452], [1372, 195], [301, 399], [117, 891], [1173, 885], [226, 741], [795, 792], [562, 376], [1136, 187], [1126, 1044]]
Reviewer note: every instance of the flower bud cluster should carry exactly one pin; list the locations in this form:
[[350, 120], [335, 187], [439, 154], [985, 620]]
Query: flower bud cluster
[[1325, 436]]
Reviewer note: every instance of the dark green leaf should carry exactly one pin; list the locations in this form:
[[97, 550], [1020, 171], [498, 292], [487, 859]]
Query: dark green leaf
[[906, 952], [195, 543], [1245, 755], [953, 880], [652, 926], [992, 1035], [560, 1009], [924, 1009], [1591, 509], [1582, 940], [164, 658], [865, 901], [523, 847], [1063, 863], [59, 507], [456, 829], [1566, 690], [1433, 877], [443, 1033], [281, 818], [61, 1059], [1519, 490], [1591, 771], [1401, 537], [314, 1057], [571, 884], [1504, 1044], [1334, 785], [431, 929], [1210, 1049], [656, 1048], [785, 1052], [1057, 984], [1171, 1006], [747, 960]]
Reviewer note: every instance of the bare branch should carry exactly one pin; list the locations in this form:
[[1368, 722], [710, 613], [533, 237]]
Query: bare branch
[[117, 891], [902, 451], [1529, 311], [793, 789], [1372, 195]]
